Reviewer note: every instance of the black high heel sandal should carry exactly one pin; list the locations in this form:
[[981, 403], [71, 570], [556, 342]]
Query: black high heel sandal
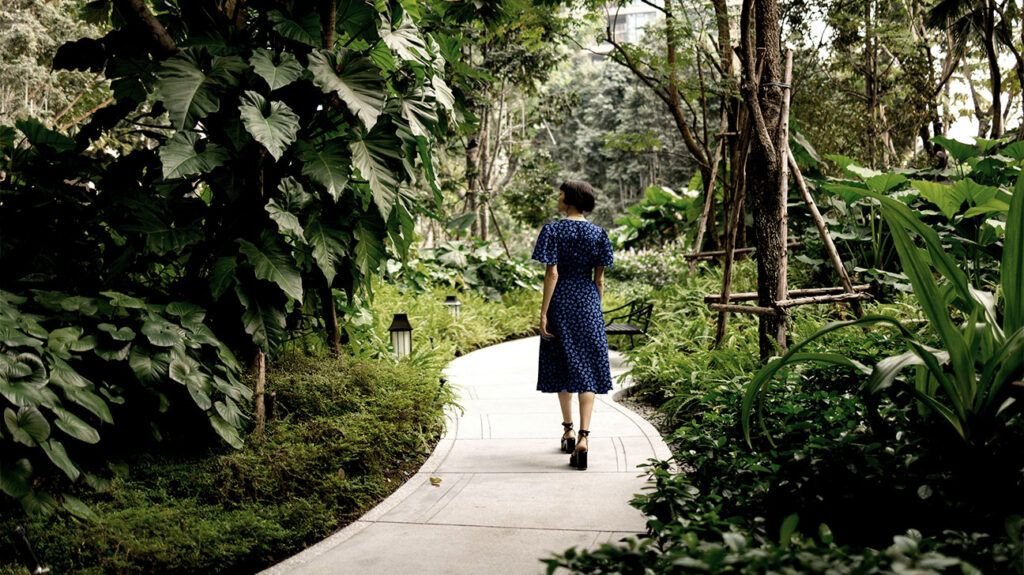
[[568, 443], [578, 459]]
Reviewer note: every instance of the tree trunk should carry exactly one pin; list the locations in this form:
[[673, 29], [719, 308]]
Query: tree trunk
[[472, 176], [330, 312], [143, 23], [994, 74], [259, 367], [764, 96]]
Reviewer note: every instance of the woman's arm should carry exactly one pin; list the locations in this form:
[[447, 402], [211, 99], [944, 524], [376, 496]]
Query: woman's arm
[[599, 281], [550, 280]]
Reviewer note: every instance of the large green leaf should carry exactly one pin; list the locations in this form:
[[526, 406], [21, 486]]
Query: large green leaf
[[228, 410], [89, 400], [286, 221], [405, 40], [902, 221], [370, 158], [274, 265], [180, 158], [975, 193], [421, 114], [293, 196], [272, 124], [222, 276], [188, 313], [79, 509], [118, 299], [355, 79], [161, 332], [278, 70], [27, 426], [370, 250], [945, 196], [61, 340], [226, 431], [1011, 271], [328, 165], [959, 150], [149, 368], [28, 368], [59, 456], [264, 323], [328, 244], [75, 427], [117, 333], [305, 29], [191, 88], [42, 137], [882, 183], [15, 476], [185, 370], [62, 374]]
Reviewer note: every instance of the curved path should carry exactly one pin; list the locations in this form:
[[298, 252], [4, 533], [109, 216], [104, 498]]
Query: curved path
[[507, 496]]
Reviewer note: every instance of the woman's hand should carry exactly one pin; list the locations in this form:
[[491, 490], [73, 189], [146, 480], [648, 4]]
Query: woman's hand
[[544, 325]]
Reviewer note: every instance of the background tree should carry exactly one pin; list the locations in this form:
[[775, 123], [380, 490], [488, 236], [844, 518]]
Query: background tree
[[30, 33]]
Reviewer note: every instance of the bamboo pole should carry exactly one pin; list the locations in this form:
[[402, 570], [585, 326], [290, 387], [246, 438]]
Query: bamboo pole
[[709, 198], [782, 286], [803, 292], [740, 308], [828, 298], [826, 238], [738, 251]]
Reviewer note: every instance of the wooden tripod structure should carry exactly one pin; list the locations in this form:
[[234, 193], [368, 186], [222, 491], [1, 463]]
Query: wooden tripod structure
[[728, 302]]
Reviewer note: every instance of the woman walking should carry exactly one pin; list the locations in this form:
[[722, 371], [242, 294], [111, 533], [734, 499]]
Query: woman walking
[[573, 346]]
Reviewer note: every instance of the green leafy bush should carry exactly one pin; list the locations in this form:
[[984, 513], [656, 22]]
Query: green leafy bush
[[70, 366], [661, 216], [466, 265], [343, 435]]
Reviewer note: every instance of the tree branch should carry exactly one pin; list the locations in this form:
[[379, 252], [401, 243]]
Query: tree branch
[[136, 13], [751, 83]]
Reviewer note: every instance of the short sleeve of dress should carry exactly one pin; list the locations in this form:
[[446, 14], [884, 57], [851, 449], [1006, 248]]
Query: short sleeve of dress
[[603, 256], [546, 248]]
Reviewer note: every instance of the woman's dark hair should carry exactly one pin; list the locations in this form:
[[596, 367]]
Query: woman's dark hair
[[579, 195]]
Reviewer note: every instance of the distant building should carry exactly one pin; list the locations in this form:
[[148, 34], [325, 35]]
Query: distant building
[[628, 23]]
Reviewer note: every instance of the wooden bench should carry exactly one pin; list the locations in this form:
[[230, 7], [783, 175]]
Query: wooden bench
[[632, 319]]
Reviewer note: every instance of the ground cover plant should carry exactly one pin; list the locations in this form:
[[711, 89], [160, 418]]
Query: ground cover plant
[[342, 434]]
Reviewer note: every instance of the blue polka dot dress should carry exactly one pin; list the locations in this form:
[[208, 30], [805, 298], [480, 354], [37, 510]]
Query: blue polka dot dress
[[576, 358]]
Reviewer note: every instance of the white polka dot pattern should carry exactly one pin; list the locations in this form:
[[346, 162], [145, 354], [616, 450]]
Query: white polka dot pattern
[[576, 358]]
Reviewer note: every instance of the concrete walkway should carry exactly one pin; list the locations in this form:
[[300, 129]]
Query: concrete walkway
[[507, 496]]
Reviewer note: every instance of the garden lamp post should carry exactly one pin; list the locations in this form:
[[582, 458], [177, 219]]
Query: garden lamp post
[[453, 304], [401, 335]]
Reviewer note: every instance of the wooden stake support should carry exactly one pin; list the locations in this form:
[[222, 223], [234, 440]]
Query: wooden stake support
[[846, 293], [803, 292], [738, 251]]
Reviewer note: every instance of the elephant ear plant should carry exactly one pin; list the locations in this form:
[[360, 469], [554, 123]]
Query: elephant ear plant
[[974, 380]]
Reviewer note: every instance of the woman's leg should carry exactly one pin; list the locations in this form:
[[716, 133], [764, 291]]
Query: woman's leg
[[565, 402], [586, 409]]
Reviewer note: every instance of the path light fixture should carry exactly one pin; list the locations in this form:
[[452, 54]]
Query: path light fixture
[[453, 304], [401, 335]]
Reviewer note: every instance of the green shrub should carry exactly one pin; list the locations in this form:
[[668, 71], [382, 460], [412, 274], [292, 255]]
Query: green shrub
[[347, 432]]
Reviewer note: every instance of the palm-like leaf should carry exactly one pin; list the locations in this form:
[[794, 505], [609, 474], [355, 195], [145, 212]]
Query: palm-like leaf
[[372, 157], [273, 264]]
